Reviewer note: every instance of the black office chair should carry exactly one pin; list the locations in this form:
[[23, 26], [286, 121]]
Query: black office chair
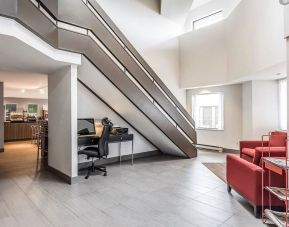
[[99, 152]]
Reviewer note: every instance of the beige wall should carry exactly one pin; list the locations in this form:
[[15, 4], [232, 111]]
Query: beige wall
[[232, 133], [247, 44], [1, 116], [22, 103]]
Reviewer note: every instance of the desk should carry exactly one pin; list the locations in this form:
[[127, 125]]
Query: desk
[[91, 140]]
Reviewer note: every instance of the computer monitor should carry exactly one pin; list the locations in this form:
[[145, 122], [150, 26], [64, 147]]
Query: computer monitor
[[85, 126]]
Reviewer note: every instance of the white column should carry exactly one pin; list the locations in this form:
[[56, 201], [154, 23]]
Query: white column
[[287, 84], [62, 126], [286, 15], [2, 110], [260, 108]]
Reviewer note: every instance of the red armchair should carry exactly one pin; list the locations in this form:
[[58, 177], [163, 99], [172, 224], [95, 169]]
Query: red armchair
[[246, 179], [252, 150], [244, 173]]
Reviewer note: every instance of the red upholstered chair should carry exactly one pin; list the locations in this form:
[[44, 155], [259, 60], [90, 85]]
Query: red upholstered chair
[[246, 179], [252, 150], [244, 173]]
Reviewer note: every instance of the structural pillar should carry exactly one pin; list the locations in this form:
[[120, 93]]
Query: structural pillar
[[62, 125]]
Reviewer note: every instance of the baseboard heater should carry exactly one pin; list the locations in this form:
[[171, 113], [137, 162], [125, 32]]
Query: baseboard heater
[[209, 147]]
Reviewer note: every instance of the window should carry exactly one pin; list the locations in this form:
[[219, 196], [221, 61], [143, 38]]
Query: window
[[11, 107], [208, 20], [283, 104], [208, 111], [32, 108]]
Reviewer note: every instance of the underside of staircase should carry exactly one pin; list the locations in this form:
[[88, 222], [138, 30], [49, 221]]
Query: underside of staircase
[[106, 51]]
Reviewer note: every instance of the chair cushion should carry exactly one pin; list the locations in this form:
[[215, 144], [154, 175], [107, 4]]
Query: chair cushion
[[249, 151], [89, 153], [268, 151], [278, 139], [247, 158]]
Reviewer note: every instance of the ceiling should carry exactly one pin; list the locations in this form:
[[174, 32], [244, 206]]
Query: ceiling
[[24, 70], [176, 10], [27, 81], [198, 3], [18, 56]]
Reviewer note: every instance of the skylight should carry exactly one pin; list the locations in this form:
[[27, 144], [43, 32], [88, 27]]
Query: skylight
[[208, 20]]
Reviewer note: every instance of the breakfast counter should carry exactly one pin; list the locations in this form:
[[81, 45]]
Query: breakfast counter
[[14, 131]]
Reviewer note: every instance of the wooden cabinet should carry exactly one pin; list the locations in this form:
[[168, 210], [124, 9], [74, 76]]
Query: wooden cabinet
[[17, 131]]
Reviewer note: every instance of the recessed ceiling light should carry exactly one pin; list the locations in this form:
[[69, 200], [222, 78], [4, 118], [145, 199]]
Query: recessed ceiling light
[[23, 90], [41, 91]]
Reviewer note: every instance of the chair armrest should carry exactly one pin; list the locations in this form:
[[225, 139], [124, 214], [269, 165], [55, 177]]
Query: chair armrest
[[244, 177], [252, 144]]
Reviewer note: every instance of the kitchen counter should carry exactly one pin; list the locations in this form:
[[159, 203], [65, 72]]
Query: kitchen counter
[[14, 131]]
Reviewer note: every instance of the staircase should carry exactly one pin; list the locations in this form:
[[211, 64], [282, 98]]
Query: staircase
[[90, 32]]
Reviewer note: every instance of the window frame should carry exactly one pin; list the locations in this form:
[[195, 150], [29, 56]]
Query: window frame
[[205, 17], [222, 111], [16, 105], [35, 104]]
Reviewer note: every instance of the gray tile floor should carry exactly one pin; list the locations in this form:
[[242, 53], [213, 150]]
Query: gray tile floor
[[159, 191]]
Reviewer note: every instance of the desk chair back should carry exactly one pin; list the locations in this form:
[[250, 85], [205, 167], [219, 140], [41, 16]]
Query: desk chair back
[[103, 141]]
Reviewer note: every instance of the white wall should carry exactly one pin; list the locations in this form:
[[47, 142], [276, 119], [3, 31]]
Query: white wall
[[247, 121], [89, 106], [62, 132], [203, 57], [255, 36], [28, 94], [153, 35], [99, 84], [1, 116], [206, 9], [286, 20], [287, 83], [260, 108], [232, 133], [265, 107], [252, 41]]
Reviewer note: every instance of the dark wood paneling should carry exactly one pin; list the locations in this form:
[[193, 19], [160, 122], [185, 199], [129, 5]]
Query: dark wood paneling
[[17, 131]]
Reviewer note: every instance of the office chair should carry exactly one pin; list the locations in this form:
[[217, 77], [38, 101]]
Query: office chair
[[97, 152]]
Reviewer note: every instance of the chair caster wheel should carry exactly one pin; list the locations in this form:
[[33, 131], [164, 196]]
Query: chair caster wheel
[[105, 174], [86, 178]]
